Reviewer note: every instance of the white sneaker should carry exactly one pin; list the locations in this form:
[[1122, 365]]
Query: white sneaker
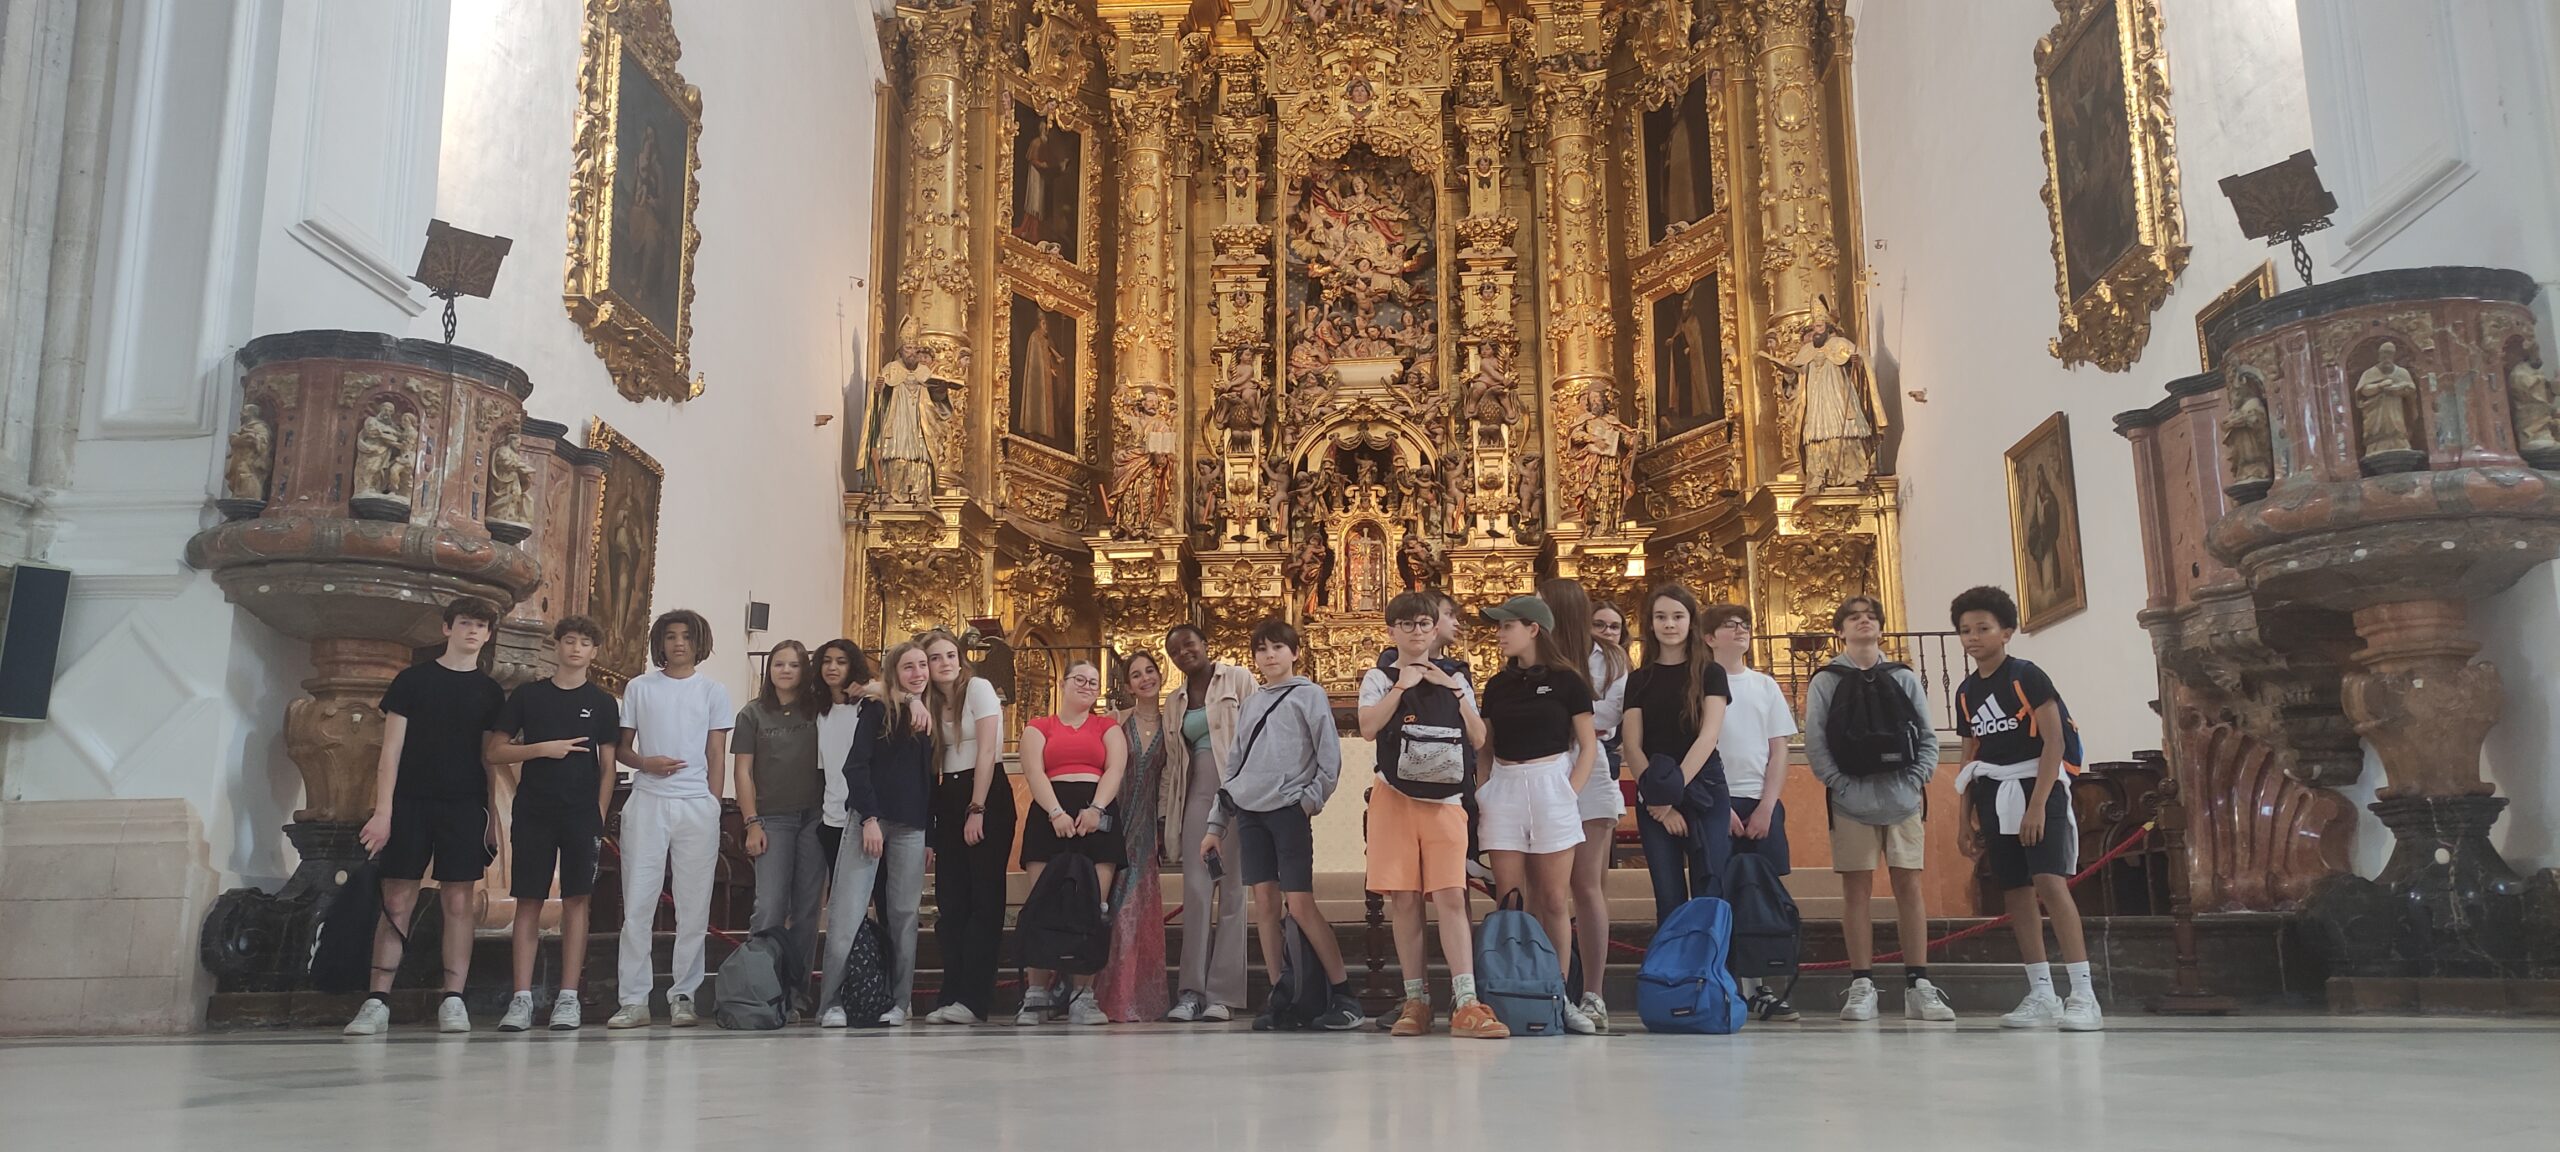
[[1579, 1022], [1217, 1013], [566, 1012], [831, 1018], [371, 1020], [1926, 1001], [959, 1014], [1082, 1010], [519, 1013], [2040, 1009], [1862, 1001], [629, 1016], [680, 1012], [451, 1016], [1598, 1010], [894, 1018], [1035, 1009], [1187, 1008], [2080, 1014]]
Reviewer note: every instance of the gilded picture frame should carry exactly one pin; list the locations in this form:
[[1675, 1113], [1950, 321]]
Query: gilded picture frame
[[633, 189], [2258, 285], [2044, 526], [2111, 177], [623, 536]]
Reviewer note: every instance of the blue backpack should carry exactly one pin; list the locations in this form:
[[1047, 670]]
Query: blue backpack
[[1516, 971], [1683, 985]]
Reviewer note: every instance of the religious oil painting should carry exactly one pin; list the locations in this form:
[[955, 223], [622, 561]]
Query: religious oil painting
[[624, 547], [633, 188], [2044, 526], [1679, 175], [2092, 153], [1048, 162], [2111, 177], [1044, 375], [1688, 360]]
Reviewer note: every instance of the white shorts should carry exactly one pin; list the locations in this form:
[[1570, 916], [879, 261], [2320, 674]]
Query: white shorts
[[1600, 798], [1529, 808]]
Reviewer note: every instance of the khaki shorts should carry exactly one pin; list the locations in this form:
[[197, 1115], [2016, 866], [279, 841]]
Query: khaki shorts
[[1859, 847]]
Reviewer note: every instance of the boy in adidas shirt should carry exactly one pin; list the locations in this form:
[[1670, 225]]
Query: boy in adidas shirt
[[2015, 751], [562, 730]]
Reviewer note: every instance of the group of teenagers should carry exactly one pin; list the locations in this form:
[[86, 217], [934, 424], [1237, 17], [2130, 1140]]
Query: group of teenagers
[[846, 775]]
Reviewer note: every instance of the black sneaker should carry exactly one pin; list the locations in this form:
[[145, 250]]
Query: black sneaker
[[1267, 1023], [1767, 1006], [1343, 1016]]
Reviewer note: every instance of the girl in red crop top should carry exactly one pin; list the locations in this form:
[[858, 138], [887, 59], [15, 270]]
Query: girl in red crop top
[[1073, 763]]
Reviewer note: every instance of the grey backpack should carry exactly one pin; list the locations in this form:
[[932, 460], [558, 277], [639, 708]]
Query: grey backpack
[[752, 998]]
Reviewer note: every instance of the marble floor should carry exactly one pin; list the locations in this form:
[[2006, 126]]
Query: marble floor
[[2254, 1083]]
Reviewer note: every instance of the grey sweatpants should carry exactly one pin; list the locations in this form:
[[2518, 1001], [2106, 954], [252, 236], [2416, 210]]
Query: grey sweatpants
[[1212, 948]]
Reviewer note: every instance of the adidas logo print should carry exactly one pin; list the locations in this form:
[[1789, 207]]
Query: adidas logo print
[[1988, 720]]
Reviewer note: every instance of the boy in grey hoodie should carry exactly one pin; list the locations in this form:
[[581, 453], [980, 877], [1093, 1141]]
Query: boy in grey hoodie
[[1287, 759], [1876, 817]]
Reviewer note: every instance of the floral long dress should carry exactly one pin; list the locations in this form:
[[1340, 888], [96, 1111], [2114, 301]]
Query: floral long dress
[[1132, 987]]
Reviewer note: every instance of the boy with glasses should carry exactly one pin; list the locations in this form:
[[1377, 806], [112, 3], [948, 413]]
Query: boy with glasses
[[1753, 744]]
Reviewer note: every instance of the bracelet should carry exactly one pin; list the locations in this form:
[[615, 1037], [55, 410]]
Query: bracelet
[[755, 819], [977, 809], [1093, 808]]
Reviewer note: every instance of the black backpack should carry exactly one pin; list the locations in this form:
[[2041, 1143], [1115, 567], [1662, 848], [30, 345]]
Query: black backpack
[[1872, 728], [1423, 750], [342, 950], [1766, 924], [869, 975], [1061, 925], [1301, 994]]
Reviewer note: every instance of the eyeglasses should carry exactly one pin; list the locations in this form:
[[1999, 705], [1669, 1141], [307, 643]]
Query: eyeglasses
[[1418, 624], [1084, 681]]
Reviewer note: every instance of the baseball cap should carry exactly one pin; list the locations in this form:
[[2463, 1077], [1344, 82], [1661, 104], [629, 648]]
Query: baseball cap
[[1528, 608]]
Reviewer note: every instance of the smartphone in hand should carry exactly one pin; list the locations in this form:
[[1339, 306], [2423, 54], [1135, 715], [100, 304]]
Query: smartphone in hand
[[1217, 867]]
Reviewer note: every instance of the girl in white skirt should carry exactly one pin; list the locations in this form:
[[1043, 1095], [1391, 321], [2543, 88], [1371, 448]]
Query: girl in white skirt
[[1541, 746]]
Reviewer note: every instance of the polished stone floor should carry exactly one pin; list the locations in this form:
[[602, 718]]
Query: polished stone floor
[[2254, 1083]]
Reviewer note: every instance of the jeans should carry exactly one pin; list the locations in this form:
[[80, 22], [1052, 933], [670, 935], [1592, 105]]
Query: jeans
[[660, 835], [968, 889], [900, 871], [1212, 950], [1683, 868], [790, 884]]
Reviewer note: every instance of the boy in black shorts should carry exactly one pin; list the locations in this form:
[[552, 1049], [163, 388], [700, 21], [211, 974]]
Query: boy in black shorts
[[431, 805], [562, 730], [2018, 747]]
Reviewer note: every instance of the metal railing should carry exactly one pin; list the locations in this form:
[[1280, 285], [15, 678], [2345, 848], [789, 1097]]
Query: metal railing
[[1792, 658]]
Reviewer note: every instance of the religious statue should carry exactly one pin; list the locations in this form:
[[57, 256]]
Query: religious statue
[[1453, 489], [244, 471], [1142, 476], [1208, 495], [2529, 392], [1276, 488], [1418, 562], [1365, 473], [910, 436], [1841, 416], [510, 484], [1493, 390], [1332, 488], [2247, 446], [404, 458], [1599, 463], [1238, 406], [377, 448], [1311, 566], [2383, 394], [1528, 482]]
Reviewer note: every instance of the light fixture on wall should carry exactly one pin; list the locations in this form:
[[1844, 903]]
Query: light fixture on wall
[[2283, 202], [458, 263]]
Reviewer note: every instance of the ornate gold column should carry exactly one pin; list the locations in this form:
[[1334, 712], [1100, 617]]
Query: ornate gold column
[[1241, 567], [936, 291], [1800, 257]]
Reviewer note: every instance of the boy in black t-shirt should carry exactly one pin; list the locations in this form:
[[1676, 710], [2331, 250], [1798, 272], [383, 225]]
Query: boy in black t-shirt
[[562, 729], [431, 804], [2017, 752]]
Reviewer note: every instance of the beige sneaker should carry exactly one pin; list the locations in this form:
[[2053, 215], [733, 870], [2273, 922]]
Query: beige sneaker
[[630, 1016], [680, 1012]]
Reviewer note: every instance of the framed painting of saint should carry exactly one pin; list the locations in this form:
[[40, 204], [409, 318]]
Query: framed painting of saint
[[623, 554], [2111, 180], [1679, 173], [1048, 168], [1688, 360], [2044, 526], [1043, 367], [633, 188]]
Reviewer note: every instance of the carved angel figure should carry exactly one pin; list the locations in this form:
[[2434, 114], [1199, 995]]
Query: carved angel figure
[[1238, 406], [1208, 495], [1493, 390], [1453, 489], [377, 446], [510, 484], [1275, 493], [1528, 482], [244, 471], [1418, 562]]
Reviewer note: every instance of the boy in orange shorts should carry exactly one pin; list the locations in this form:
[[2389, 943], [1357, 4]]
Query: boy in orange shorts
[[1422, 714]]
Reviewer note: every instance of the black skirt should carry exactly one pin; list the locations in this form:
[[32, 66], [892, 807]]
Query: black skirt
[[1041, 843]]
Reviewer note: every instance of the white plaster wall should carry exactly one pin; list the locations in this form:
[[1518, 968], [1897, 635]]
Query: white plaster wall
[[1963, 300], [751, 507]]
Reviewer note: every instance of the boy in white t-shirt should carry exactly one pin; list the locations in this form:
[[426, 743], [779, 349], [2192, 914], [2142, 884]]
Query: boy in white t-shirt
[[1753, 743], [675, 724]]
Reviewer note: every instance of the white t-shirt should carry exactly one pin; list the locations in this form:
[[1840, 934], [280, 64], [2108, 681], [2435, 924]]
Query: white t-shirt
[[1758, 714], [1373, 688], [1608, 697], [673, 718], [836, 728], [960, 741]]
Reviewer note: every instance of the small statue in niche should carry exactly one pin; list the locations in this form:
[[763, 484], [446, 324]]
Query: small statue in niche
[[909, 441], [1453, 493], [378, 443], [1528, 483], [1839, 414], [2529, 393], [1332, 488], [1311, 567], [1142, 477], [1238, 406], [245, 470], [1208, 496], [1276, 487], [2383, 394], [1418, 562], [1493, 392], [2247, 446], [510, 484], [1366, 473], [1599, 463]]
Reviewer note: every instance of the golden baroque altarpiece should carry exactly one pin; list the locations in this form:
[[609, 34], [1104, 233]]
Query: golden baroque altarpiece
[[1448, 293]]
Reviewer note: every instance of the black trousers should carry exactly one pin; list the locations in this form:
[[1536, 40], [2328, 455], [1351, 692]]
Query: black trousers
[[968, 890]]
